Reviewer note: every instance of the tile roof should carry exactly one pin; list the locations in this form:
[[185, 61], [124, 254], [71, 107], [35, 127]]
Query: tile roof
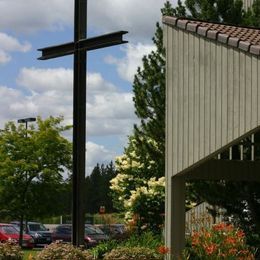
[[246, 39]]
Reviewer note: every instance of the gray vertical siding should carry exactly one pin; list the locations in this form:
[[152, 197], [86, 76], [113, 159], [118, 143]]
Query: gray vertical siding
[[212, 97], [171, 108], [199, 217]]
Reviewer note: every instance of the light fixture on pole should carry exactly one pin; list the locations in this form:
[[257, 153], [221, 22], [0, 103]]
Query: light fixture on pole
[[26, 120], [22, 121]]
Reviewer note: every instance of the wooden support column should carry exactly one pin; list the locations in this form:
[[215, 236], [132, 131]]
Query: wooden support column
[[175, 216]]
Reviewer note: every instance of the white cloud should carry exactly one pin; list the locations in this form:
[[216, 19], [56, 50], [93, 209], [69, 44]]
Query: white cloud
[[10, 44], [137, 17], [115, 127], [109, 111], [127, 66], [14, 105], [46, 80], [32, 15], [121, 109], [59, 80], [96, 84], [4, 57]]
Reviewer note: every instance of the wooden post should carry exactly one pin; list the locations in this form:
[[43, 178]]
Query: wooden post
[[175, 216]]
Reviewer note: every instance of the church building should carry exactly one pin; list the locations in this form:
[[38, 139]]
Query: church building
[[212, 104]]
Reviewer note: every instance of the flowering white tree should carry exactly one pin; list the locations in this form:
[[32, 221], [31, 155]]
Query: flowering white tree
[[141, 197], [138, 186], [145, 207]]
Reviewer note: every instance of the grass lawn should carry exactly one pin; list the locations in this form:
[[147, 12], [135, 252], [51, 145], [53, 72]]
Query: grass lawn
[[27, 253]]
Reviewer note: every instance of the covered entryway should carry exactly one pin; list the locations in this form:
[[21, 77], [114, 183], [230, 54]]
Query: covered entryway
[[212, 104]]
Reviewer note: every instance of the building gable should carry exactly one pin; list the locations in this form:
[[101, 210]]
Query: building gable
[[213, 95]]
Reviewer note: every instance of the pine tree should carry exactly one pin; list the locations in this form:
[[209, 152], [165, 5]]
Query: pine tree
[[149, 101], [97, 188], [225, 11], [252, 16]]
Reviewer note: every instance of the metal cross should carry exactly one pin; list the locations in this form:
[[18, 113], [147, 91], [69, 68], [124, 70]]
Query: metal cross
[[79, 48]]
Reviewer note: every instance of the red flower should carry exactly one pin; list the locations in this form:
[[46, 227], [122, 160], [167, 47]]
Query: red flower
[[207, 234], [231, 240], [222, 240], [223, 227], [232, 251], [210, 249], [240, 234], [163, 250], [229, 227], [244, 252], [195, 238]]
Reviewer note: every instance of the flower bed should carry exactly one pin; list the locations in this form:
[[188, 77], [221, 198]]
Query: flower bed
[[10, 251], [222, 241]]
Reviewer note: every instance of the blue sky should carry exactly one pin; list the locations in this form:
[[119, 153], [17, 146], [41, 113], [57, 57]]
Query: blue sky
[[30, 88]]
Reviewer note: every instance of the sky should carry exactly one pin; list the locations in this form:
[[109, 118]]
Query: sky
[[31, 88]]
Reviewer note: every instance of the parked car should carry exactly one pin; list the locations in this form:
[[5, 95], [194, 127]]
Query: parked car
[[93, 235], [62, 232], [114, 231], [9, 233], [38, 231]]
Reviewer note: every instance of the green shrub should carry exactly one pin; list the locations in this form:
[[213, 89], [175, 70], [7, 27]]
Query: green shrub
[[146, 239], [10, 251], [136, 253], [62, 251], [99, 251]]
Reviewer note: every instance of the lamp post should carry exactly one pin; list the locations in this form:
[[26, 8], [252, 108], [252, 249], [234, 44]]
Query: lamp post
[[26, 121], [22, 121]]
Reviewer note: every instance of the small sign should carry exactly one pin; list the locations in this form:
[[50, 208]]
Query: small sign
[[102, 209]]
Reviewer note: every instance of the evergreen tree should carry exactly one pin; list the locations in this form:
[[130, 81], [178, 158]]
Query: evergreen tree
[[252, 16], [97, 188], [149, 101], [228, 11], [224, 11], [108, 173]]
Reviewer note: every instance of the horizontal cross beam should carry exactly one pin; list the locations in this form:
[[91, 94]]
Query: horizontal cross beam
[[89, 44]]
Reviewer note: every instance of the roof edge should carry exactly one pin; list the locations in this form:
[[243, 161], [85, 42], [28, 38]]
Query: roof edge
[[197, 27]]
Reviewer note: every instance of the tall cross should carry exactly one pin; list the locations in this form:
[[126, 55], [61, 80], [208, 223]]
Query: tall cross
[[79, 47]]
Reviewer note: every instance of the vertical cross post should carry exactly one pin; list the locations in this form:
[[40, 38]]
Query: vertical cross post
[[79, 123], [79, 48]]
